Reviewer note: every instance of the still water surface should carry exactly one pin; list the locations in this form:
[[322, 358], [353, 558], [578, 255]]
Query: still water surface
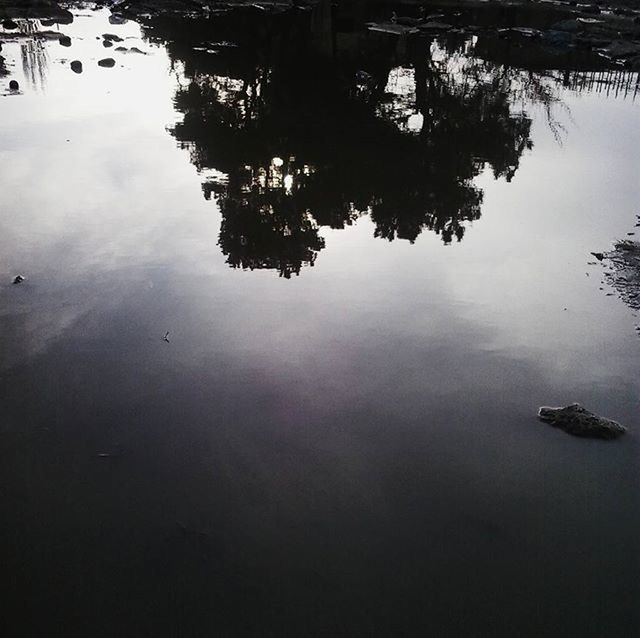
[[338, 436]]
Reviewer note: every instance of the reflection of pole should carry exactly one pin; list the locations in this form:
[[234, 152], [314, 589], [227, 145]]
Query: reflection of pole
[[322, 28], [421, 59], [420, 69]]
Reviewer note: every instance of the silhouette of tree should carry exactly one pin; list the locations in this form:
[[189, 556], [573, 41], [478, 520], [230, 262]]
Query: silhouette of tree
[[312, 137]]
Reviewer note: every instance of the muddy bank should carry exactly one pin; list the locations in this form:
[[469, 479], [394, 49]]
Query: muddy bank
[[610, 29], [624, 271]]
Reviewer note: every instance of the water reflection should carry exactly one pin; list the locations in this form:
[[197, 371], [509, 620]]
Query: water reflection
[[363, 123], [356, 453], [264, 224], [34, 61], [33, 50], [392, 127]]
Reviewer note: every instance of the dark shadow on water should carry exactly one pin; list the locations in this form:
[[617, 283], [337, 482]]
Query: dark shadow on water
[[314, 123], [306, 140]]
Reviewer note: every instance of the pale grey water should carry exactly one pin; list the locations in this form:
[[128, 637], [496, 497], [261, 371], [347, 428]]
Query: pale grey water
[[353, 450]]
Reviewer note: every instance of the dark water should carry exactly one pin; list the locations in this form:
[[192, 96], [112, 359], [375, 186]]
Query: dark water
[[372, 259]]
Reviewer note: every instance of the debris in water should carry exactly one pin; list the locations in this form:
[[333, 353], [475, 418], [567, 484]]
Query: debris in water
[[166, 336], [577, 420], [18, 279], [116, 451]]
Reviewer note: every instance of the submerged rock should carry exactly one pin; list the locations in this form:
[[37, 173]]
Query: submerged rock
[[558, 38], [390, 28], [64, 18], [622, 49], [131, 50], [406, 21], [111, 37], [107, 43], [579, 421], [519, 32], [568, 26], [593, 9], [14, 86], [76, 66], [434, 25], [65, 40], [107, 62]]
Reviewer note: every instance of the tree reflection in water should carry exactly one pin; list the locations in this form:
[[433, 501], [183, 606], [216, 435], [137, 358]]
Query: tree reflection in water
[[397, 129]]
